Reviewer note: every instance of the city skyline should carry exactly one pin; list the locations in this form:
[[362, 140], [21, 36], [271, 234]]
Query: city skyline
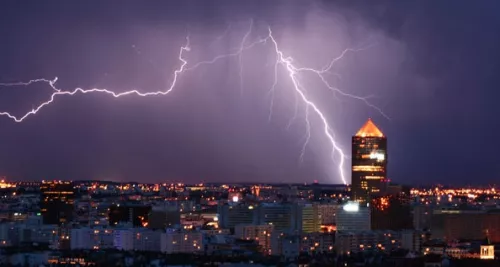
[[213, 130], [249, 133]]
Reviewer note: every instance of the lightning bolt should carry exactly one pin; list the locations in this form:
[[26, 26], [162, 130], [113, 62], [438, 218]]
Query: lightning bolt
[[50, 82], [292, 73], [273, 89], [59, 92], [224, 34], [240, 55], [286, 62]]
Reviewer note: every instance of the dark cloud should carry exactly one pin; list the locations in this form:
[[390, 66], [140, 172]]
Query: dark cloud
[[432, 67]]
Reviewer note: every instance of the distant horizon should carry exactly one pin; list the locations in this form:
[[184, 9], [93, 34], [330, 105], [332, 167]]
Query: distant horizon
[[261, 183]]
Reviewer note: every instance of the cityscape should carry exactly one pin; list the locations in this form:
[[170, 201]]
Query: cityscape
[[372, 222], [249, 133]]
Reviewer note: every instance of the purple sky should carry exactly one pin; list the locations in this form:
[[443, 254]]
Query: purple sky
[[432, 67]]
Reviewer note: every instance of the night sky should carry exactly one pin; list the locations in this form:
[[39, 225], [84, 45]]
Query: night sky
[[432, 66]]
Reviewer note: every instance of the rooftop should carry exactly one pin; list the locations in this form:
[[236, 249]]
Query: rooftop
[[369, 129]]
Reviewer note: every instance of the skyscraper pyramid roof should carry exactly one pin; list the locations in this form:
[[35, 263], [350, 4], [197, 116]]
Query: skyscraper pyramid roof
[[369, 129]]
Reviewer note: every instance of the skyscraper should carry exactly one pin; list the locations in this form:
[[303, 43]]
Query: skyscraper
[[369, 162]]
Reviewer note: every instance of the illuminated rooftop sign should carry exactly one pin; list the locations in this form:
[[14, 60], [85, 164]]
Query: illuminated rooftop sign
[[351, 207], [369, 129]]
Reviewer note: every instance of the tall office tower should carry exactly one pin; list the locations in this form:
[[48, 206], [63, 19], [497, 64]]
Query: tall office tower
[[369, 162], [57, 202]]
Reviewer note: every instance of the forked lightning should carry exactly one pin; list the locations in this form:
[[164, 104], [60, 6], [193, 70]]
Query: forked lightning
[[281, 60]]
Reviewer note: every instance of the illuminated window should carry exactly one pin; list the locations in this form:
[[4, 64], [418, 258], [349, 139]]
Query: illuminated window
[[368, 168], [374, 177]]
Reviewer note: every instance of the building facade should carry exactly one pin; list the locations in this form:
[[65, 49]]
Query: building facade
[[310, 218], [232, 215], [260, 233], [57, 202], [328, 213], [455, 224], [353, 217], [181, 242], [369, 162], [138, 215], [285, 217], [358, 241]]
